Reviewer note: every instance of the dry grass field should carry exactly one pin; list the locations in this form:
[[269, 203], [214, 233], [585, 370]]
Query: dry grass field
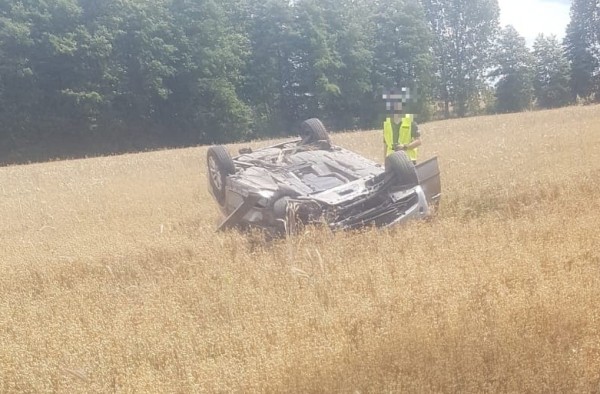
[[113, 279]]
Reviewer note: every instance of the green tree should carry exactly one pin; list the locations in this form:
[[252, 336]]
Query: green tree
[[18, 87], [307, 59], [45, 52], [142, 55], [582, 41], [348, 25], [199, 71], [269, 74], [402, 56], [315, 62], [442, 90], [464, 31], [551, 73], [514, 88], [205, 104]]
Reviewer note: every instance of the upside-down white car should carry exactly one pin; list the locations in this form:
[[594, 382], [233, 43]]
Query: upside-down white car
[[309, 180]]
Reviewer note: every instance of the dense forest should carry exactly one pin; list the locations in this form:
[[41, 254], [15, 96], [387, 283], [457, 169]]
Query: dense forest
[[132, 74]]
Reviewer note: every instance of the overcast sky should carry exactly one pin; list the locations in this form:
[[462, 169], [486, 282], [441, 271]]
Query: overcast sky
[[531, 17]]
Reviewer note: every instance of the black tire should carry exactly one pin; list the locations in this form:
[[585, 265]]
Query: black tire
[[312, 130], [401, 167], [219, 166]]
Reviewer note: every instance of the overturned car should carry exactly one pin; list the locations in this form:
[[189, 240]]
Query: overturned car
[[309, 180]]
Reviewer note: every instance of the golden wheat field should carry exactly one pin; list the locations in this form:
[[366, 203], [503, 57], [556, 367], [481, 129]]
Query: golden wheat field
[[113, 279]]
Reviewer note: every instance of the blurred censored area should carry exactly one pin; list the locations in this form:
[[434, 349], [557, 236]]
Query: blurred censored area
[[397, 98]]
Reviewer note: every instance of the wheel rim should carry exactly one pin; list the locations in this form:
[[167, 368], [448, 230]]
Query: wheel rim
[[215, 175]]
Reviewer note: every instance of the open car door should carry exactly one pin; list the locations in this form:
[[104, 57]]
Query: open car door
[[428, 173]]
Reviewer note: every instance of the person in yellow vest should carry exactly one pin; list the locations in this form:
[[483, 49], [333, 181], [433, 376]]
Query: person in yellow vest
[[401, 132]]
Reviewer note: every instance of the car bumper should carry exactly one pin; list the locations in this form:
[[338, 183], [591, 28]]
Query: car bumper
[[381, 210]]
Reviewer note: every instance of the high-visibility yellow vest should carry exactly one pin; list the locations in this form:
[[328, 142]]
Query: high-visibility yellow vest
[[404, 136]]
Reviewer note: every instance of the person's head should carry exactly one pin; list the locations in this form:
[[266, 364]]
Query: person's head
[[396, 100]]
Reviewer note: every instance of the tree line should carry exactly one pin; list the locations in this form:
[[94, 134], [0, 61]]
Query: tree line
[[186, 72]]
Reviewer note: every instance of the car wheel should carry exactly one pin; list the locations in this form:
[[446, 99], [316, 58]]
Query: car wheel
[[219, 165], [312, 130], [401, 167]]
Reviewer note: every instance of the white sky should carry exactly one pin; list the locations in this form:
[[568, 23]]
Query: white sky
[[531, 17]]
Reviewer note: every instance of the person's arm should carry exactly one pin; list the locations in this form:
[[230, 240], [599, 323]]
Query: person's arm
[[414, 143], [416, 138]]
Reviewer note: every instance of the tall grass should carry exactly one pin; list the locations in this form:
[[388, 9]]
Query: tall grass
[[113, 279]]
